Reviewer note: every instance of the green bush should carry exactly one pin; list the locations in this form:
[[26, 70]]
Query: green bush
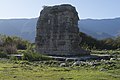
[[21, 51], [13, 58], [3, 55], [35, 57]]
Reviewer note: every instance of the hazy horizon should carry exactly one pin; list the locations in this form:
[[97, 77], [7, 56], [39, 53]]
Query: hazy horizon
[[93, 9], [80, 19]]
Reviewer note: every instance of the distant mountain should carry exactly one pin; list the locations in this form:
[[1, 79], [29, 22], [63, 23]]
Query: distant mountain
[[97, 35], [102, 28], [25, 28]]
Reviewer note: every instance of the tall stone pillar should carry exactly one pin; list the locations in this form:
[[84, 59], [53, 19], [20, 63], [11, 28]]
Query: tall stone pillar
[[57, 31]]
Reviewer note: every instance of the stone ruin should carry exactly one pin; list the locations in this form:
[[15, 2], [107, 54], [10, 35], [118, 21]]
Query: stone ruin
[[58, 32]]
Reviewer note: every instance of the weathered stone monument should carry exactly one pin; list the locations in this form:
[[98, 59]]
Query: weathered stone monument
[[57, 31]]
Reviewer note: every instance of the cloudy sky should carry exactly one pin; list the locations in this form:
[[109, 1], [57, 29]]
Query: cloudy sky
[[95, 9]]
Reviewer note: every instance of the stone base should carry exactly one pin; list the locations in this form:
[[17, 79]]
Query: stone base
[[80, 52]]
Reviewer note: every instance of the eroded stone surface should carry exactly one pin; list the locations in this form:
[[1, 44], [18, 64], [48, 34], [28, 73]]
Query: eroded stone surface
[[57, 31]]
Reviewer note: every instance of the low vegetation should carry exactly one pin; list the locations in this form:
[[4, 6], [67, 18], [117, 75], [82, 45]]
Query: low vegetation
[[17, 46], [35, 57], [50, 70], [10, 45], [91, 43], [34, 66]]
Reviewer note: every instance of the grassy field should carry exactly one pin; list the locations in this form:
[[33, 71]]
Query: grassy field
[[23, 70], [110, 52]]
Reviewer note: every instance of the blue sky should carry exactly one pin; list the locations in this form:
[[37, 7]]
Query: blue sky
[[95, 9]]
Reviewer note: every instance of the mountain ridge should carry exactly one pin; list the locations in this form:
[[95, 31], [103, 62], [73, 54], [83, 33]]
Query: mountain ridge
[[26, 28]]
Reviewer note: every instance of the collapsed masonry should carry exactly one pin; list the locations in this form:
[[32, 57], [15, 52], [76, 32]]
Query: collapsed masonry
[[57, 31]]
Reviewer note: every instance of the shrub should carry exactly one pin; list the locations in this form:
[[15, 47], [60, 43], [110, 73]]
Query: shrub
[[10, 49], [35, 57], [13, 58], [3, 55]]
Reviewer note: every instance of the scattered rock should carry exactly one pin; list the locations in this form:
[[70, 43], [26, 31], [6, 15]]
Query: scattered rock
[[63, 65], [102, 69], [77, 63], [111, 59]]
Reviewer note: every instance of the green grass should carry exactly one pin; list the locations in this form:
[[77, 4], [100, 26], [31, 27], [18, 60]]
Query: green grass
[[50, 70], [111, 52], [24, 70]]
